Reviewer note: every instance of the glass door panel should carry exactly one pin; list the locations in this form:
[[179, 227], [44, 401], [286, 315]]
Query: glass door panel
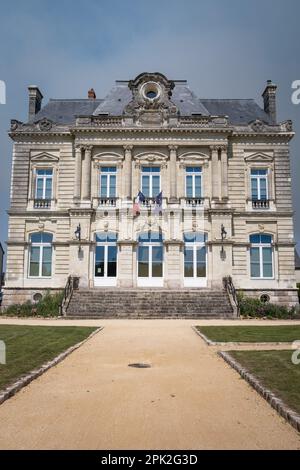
[[99, 262], [157, 261], [143, 261]]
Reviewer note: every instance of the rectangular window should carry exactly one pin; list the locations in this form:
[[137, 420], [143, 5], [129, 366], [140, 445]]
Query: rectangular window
[[193, 182], [259, 185], [44, 180], [150, 181], [108, 181]]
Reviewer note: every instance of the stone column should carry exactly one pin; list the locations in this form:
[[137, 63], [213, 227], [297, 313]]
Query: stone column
[[224, 166], [77, 189], [173, 176], [86, 173], [128, 172], [215, 172]]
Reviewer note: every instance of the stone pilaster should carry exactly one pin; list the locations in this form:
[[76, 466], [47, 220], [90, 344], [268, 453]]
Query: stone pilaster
[[215, 172], [128, 172], [173, 175], [224, 168], [86, 173], [78, 163]]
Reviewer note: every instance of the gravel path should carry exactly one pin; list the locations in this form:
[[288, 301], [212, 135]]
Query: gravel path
[[189, 399]]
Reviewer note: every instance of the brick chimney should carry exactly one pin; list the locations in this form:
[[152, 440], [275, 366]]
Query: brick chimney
[[92, 94], [35, 101], [269, 96]]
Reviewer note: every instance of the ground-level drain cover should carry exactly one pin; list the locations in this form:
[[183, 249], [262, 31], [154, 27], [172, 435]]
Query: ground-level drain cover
[[139, 365]]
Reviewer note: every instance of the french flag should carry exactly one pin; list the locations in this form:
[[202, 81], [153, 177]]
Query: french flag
[[136, 206]]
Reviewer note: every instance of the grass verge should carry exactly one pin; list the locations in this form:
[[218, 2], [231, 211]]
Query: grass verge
[[29, 347], [252, 334], [275, 371]]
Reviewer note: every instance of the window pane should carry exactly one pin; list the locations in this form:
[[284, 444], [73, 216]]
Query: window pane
[[143, 257], [34, 261], [266, 238], [112, 189], [201, 262], [155, 185], [99, 263], [157, 261], [108, 169], [193, 169], [112, 261], [188, 262], [254, 188], [197, 186], [144, 237], [146, 185], [267, 262], [255, 238], [103, 186], [46, 237], [112, 236], [155, 236], [47, 261], [189, 237], [255, 265], [39, 188], [150, 169], [48, 193], [263, 189], [36, 237], [189, 186]]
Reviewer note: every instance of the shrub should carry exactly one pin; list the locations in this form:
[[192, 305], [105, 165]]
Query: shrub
[[47, 307], [252, 307]]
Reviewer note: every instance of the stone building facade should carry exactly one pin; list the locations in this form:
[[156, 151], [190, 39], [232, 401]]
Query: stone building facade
[[214, 184]]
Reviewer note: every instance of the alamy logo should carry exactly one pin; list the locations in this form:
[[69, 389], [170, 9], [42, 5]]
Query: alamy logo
[[296, 353], [2, 92], [2, 352], [296, 93]]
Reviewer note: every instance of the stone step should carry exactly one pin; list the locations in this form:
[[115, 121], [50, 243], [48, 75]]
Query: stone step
[[149, 303]]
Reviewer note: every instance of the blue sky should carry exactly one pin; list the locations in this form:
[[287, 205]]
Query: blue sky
[[224, 48]]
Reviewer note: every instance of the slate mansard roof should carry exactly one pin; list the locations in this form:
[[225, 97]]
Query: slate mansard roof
[[239, 111]]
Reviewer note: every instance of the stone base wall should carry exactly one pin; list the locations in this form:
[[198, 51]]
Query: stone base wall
[[20, 296], [285, 297]]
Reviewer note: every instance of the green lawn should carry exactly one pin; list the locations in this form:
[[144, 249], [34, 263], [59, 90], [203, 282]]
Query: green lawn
[[28, 347], [275, 371], [252, 334]]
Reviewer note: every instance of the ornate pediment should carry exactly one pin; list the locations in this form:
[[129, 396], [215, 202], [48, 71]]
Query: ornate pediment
[[259, 157], [105, 158], [151, 158], [193, 158], [44, 157]]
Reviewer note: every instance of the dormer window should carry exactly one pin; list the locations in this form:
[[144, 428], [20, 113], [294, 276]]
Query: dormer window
[[151, 91]]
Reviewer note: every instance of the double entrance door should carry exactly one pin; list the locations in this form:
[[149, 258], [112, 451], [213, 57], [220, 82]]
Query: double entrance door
[[106, 255], [150, 260]]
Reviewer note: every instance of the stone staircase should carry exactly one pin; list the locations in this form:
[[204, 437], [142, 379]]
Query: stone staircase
[[149, 303]]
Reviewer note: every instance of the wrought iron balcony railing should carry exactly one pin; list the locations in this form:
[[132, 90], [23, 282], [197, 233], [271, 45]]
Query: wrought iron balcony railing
[[194, 201], [42, 203], [107, 201], [260, 204]]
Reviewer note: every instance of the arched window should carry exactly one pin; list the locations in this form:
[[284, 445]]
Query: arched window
[[261, 256], [40, 259]]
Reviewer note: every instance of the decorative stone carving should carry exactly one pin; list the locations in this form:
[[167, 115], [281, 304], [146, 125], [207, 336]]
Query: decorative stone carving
[[45, 125], [151, 99], [258, 126], [14, 124]]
